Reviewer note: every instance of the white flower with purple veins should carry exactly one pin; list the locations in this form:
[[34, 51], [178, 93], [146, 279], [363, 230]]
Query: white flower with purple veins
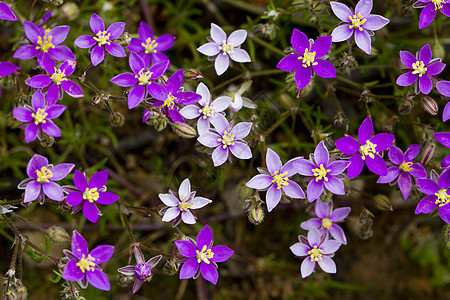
[[223, 49], [205, 111], [180, 207]]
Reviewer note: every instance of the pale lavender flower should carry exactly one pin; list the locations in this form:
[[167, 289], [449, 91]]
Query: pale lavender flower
[[205, 110], [224, 49], [275, 179], [430, 7], [6, 13], [443, 87], [7, 68], [444, 139], [316, 248], [358, 24], [180, 207], [226, 138]]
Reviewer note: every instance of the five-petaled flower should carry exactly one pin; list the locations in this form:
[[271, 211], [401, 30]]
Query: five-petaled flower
[[83, 265], [201, 256], [7, 68], [88, 196], [276, 180], [366, 150], [316, 248], [180, 207], [403, 168], [430, 7], [224, 49], [6, 13], [310, 56], [102, 39], [358, 23], [421, 69], [322, 172], [42, 177]]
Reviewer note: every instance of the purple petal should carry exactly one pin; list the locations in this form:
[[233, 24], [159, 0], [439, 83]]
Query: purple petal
[[260, 182], [299, 41], [127, 270], [314, 222], [107, 198], [145, 31], [407, 79], [79, 245], [158, 68], [85, 41], [342, 33], [36, 163], [26, 52], [136, 95], [407, 59], [425, 84], [426, 205], [219, 156], [314, 190], [22, 114], [115, 50], [334, 185], [90, 211], [240, 55], [72, 272], [405, 184], [59, 34], [341, 11], [32, 191], [377, 165], [137, 284], [217, 34], [184, 190], [321, 155], [324, 68], [340, 214], [435, 67], [302, 77], [221, 124], [39, 81], [273, 197], [169, 199], [72, 89], [293, 190], [61, 170], [186, 248], [237, 37], [31, 132], [427, 186], [189, 269], [362, 39], [53, 191], [116, 30], [330, 246], [289, 63], [321, 46], [175, 81], [136, 63], [337, 167], [55, 111], [241, 150], [221, 253], [6, 13], [273, 161], [199, 202], [97, 55], [444, 179], [102, 253], [209, 139], [209, 272], [412, 152], [364, 7], [164, 42], [365, 131], [98, 180], [241, 130], [98, 279], [307, 267], [326, 263], [337, 232], [443, 138], [395, 155], [392, 173], [188, 217], [31, 31], [7, 68], [53, 94], [204, 237], [158, 91], [375, 22], [304, 167], [444, 211], [221, 64], [209, 49], [171, 214], [443, 88], [425, 54], [96, 24], [80, 181], [383, 141], [418, 171], [355, 167], [322, 209], [347, 145], [74, 198], [135, 45], [314, 237], [124, 79]]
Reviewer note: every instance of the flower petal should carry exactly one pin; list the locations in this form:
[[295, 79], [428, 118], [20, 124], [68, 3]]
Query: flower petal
[[136, 95], [443, 88], [273, 161], [72, 272], [364, 7], [355, 167], [107, 198], [273, 197], [314, 190], [96, 23], [326, 263], [188, 217], [237, 37], [53, 190], [395, 155], [184, 190], [26, 52], [97, 55], [79, 245], [204, 237], [407, 59], [347, 145], [425, 54], [407, 79], [221, 64], [61, 170], [289, 63], [171, 214], [217, 34], [405, 184], [392, 173], [334, 185], [427, 186], [74, 198], [324, 68], [342, 33], [116, 29], [85, 41], [102, 253], [260, 182], [322, 45], [299, 41], [199, 202], [241, 150], [219, 156], [362, 39], [337, 232], [169, 199], [435, 67], [426, 205], [189, 269], [321, 154], [293, 190], [375, 22], [186, 248], [221, 253], [377, 165], [425, 84], [98, 279], [115, 50], [365, 131], [383, 141], [307, 267], [302, 77], [209, 139], [209, 272], [341, 11], [22, 114], [32, 191], [90, 211]]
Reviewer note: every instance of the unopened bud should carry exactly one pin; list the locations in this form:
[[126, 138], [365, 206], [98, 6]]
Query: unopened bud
[[70, 11], [406, 106], [348, 63], [192, 75], [117, 119], [382, 203], [429, 105], [184, 130], [244, 191], [339, 119], [47, 141], [438, 50], [256, 215], [429, 151], [58, 235], [266, 31]]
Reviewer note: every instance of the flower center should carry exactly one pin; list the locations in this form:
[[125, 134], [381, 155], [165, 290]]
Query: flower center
[[207, 111], [150, 45], [143, 76], [143, 272], [419, 68], [226, 48], [321, 173], [438, 4], [357, 21], [45, 43], [102, 38], [227, 139], [39, 116], [185, 205], [442, 197], [58, 76], [169, 103], [327, 223], [204, 255], [308, 58], [315, 253], [86, 263], [91, 195], [368, 149], [280, 179], [43, 175], [406, 166]]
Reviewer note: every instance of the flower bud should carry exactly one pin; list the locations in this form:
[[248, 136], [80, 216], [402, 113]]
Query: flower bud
[[70, 11], [58, 235], [348, 63], [365, 219], [192, 75], [339, 120], [266, 31], [438, 49], [117, 119], [429, 105], [382, 203], [124, 280], [256, 215], [184, 130], [244, 191], [406, 106], [47, 141], [429, 151]]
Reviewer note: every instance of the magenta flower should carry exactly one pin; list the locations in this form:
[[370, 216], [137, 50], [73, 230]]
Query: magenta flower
[[201, 256], [324, 173], [6, 13], [45, 44], [6, 68], [88, 196], [140, 80], [142, 271], [276, 180], [421, 69], [57, 82], [205, 110], [168, 96], [367, 148], [103, 38], [403, 168], [436, 189], [83, 265], [444, 139], [358, 24], [37, 118], [316, 249], [308, 58], [42, 177], [443, 88], [429, 10], [224, 49], [226, 138], [326, 220], [148, 46]]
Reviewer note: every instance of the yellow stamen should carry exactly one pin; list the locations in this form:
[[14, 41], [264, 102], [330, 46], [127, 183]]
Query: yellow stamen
[[226, 48], [204, 255], [169, 103], [368, 150], [86, 263], [327, 223], [150, 45], [227, 139], [45, 43], [308, 58], [321, 173], [207, 111], [419, 68], [43, 175], [59, 76], [315, 253], [357, 21], [280, 179], [406, 166], [39, 116], [143, 76], [438, 4], [102, 38], [91, 195], [442, 197]]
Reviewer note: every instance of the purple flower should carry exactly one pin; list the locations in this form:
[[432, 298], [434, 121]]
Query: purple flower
[[359, 23], [316, 248], [403, 168], [45, 44], [308, 57], [150, 46], [83, 265], [443, 88], [87, 196], [206, 111], [180, 207], [276, 180], [37, 118], [142, 271], [223, 49], [436, 189], [326, 220], [6, 13], [444, 139], [201, 256], [367, 148], [429, 12], [168, 96], [323, 172], [42, 177], [140, 80], [226, 138], [421, 69], [103, 38], [57, 82], [6, 68]]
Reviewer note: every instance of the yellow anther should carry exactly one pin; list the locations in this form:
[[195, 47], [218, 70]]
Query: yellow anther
[[150, 45], [406, 166], [327, 223], [315, 253], [143, 76], [91, 195], [185, 205], [419, 68], [45, 43], [442, 197], [59, 76], [321, 173], [207, 111], [204, 255], [438, 4], [280, 179], [357, 21], [43, 175], [308, 58], [169, 103], [368, 150], [226, 48], [102, 38], [227, 139], [86, 263], [39, 116]]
